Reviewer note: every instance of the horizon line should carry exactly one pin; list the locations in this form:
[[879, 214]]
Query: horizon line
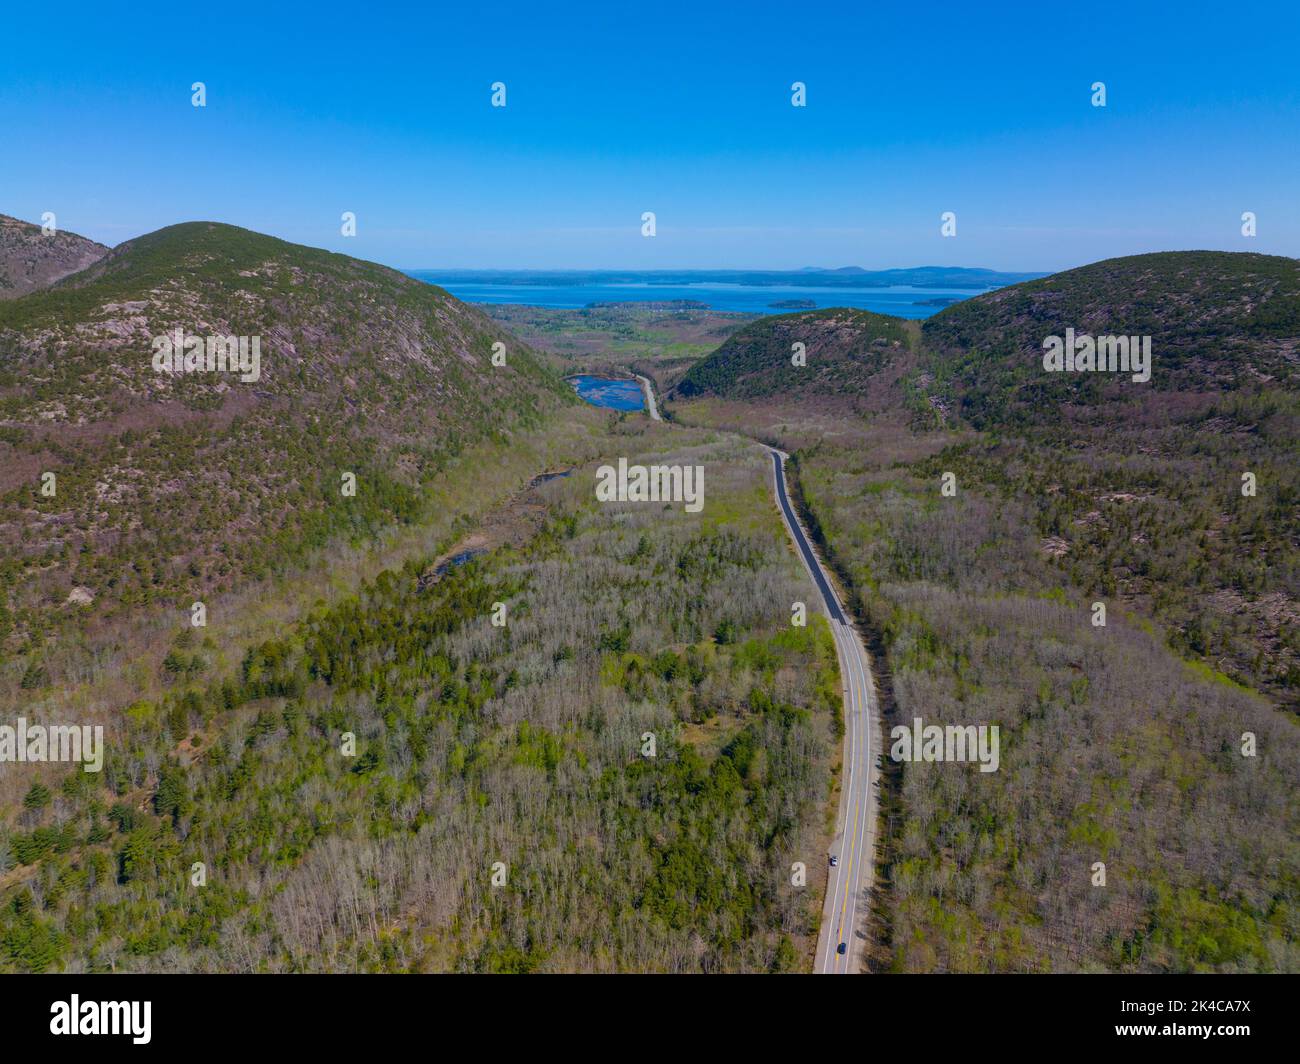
[[708, 269]]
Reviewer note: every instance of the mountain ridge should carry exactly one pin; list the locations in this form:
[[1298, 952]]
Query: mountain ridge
[[363, 371], [31, 259]]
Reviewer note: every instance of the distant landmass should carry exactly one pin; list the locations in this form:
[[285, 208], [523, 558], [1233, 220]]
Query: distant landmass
[[808, 277], [662, 304]]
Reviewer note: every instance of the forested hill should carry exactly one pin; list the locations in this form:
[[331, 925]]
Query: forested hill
[[362, 371], [843, 349], [1219, 322], [1180, 495]]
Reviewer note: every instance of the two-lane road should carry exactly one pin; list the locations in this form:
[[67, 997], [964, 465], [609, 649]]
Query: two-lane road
[[649, 389], [848, 889]]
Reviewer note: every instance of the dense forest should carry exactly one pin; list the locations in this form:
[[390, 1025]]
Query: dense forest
[[515, 751], [1113, 750], [1180, 497]]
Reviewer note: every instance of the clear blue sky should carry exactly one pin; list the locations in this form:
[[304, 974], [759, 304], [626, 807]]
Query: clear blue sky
[[683, 109]]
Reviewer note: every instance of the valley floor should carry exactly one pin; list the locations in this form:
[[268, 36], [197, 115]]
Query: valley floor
[[619, 775]]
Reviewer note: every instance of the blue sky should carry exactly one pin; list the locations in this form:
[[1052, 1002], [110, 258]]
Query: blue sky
[[681, 109]]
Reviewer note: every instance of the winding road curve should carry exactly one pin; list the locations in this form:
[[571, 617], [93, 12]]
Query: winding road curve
[[848, 887]]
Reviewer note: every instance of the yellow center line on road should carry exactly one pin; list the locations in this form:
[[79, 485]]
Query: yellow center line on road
[[849, 886]]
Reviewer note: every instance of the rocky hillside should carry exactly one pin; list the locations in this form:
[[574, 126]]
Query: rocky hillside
[[29, 259], [169, 484]]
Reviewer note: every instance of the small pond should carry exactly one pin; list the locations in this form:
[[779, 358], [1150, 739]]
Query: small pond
[[609, 393]]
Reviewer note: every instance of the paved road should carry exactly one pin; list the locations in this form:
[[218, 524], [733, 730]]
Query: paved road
[[649, 390], [848, 887]]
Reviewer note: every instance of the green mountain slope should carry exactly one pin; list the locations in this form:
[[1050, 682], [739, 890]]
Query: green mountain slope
[[171, 486]]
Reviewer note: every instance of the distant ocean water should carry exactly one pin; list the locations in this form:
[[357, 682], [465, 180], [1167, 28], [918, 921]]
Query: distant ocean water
[[903, 301]]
